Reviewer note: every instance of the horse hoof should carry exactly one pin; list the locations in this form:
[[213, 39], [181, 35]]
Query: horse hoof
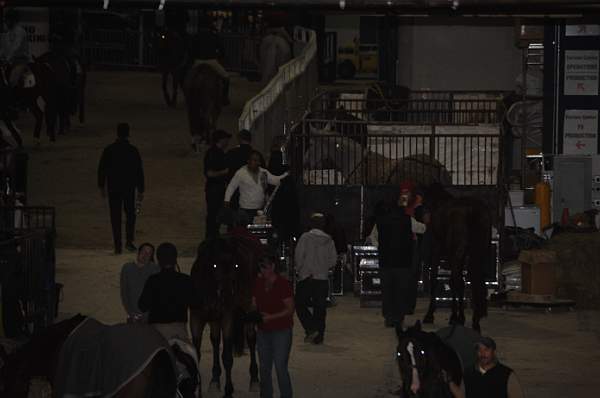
[[254, 386], [214, 386], [428, 319]]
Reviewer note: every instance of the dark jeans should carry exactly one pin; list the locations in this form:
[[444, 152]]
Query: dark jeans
[[274, 348], [312, 293], [399, 292], [215, 194], [117, 202]]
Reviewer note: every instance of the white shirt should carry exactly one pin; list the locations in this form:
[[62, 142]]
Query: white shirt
[[252, 192]]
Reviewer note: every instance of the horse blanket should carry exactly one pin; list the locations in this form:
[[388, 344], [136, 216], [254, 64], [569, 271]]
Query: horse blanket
[[99, 360]]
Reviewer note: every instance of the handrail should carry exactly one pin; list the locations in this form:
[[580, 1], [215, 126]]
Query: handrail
[[260, 103]]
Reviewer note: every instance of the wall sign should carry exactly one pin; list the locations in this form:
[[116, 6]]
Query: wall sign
[[582, 30], [581, 72], [580, 132], [36, 23]]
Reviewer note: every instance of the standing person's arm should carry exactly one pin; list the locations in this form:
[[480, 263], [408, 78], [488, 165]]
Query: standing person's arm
[[145, 300], [102, 171], [299, 253], [232, 186], [417, 227], [124, 296], [514, 387], [140, 183]]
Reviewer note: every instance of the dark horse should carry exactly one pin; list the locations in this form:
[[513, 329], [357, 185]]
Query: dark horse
[[40, 358], [224, 273], [52, 87], [461, 233], [426, 364], [173, 61]]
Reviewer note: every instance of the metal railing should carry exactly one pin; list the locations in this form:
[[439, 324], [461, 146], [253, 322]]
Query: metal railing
[[440, 107], [350, 152], [285, 98]]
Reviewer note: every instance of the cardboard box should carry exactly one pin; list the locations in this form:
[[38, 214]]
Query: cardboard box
[[538, 275]]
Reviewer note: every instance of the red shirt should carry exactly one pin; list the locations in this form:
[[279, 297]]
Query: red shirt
[[271, 302]]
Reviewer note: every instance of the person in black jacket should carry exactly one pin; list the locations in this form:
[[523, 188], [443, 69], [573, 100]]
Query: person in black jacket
[[167, 295], [237, 157], [489, 378], [216, 172], [121, 172]]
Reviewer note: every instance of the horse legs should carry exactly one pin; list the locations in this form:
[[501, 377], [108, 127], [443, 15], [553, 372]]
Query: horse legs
[[197, 327], [227, 355], [478, 294], [433, 274], [215, 339], [251, 339], [457, 285]]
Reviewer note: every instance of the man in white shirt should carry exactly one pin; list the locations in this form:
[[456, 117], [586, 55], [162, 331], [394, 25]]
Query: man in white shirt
[[14, 47], [252, 181]]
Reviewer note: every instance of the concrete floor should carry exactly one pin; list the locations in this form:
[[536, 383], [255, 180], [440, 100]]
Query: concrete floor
[[554, 355]]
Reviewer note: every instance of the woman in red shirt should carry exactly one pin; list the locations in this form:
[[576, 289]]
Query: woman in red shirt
[[273, 297]]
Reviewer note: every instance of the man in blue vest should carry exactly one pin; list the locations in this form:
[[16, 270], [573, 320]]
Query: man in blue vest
[[489, 378]]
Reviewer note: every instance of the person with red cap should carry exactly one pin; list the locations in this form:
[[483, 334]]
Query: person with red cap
[[394, 234]]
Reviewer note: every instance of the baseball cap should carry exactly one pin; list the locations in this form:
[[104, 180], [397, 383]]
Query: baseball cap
[[219, 135], [487, 342]]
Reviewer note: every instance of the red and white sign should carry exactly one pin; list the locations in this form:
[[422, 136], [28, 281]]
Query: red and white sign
[[581, 72], [580, 132]]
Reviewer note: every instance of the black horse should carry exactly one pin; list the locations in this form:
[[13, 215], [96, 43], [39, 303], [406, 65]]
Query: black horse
[[461, 233], [224, 273], [426, 364]]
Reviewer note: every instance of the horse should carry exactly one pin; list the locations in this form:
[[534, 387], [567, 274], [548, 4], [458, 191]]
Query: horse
[[426, 364], [173, 59], [204, 91], [275, 51], [43, 357], [386, 102], [224, 273], [461, 233]]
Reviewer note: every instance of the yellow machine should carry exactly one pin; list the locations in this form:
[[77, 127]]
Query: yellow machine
[[357, 59]]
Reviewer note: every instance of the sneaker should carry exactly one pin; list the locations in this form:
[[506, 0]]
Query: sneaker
[[129, 246], [310, 337]]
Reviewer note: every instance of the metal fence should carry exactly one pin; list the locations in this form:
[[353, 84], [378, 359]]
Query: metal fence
[[440, 107], [28, 267], [346, 153], [241, 52], [284, 100]]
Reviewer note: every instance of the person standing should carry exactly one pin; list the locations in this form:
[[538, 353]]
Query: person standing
[[167, 296], [252, 181], [490, 378], [133, 278], [121, 172], [237, 157], [314, 256], [394, 235], [216, 172], [273, 298]]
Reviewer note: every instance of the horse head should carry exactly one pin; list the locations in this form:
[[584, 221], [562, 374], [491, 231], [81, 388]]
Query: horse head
[[419, 367]]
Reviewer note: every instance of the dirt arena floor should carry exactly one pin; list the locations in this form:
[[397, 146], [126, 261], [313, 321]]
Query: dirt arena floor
[[554, 355]]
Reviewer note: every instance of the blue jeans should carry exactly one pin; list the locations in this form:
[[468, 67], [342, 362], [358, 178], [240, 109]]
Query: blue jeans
[[274, 348]]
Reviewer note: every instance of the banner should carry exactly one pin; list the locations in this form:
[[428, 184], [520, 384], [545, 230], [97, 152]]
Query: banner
[[581, 72], [580, 132]]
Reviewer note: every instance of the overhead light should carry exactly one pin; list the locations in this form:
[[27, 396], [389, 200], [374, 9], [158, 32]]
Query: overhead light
[[342, 4], [106, 4], [161, 5]]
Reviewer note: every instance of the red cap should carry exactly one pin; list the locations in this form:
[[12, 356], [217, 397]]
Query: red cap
[[407, 185]]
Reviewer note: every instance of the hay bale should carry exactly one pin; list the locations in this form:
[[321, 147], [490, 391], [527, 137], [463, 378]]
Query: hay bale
[[578, 267]]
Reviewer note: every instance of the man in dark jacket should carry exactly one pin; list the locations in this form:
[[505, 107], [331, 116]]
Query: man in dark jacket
[[395, 231], [167, 295], [121, 172], [489, 378], [238, 156], [216, 172]]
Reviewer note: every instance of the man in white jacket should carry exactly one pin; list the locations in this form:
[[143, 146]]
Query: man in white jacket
[[314, 256]]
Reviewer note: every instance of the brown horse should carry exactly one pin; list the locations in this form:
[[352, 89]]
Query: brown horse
[[224, 273], [461, 233], [204, 91], [40, 358]]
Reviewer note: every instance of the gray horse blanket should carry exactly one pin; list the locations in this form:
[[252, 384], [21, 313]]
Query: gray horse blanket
[[98, 360]]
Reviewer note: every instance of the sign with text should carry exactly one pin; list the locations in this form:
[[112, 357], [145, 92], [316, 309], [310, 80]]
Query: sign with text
[[581, 72], [580, 132], [582, 30], [35, 21]]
